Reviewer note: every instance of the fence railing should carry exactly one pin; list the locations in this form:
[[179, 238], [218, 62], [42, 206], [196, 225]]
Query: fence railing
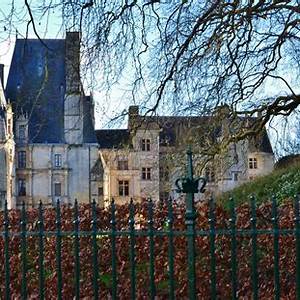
[[153, 251], [143, 236]]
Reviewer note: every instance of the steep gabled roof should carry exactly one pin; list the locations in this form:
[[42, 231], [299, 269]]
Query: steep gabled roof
[[36, 85]]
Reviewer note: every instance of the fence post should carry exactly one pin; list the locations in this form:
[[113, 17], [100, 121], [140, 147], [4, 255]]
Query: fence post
[[23, 253], [6, 252], [297, 239], [189, 186], [58, 250]]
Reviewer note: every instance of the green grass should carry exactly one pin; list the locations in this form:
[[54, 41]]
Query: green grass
[[283, 184]]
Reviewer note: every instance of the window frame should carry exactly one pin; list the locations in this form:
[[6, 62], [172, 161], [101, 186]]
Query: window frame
[[21, 187], [146, 173], [57, 160], [123, 188], [56, 184], [22, 159], [23, 137], [146, 145], [252, 163]]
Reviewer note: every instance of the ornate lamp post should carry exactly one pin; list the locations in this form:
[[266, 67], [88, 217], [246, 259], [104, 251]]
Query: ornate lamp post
[[190, 185]]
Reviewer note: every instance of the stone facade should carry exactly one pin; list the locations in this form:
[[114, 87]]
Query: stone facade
[[166, 159], [56, 153], [132, 171], [7, 149], [49, 149]]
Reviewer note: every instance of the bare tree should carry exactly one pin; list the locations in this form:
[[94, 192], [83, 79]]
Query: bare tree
[[192, 55]]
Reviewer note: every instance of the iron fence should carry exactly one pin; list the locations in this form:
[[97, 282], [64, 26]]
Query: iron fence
[[190, 234], [146, 239]]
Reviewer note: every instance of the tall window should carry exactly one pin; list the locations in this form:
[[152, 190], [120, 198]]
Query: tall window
[[21, 187], [57, 189], [122, 164], [57, 160], [123, 188], [22, 132], [146, 173], [252, 163], [146, 144], [22, 159]]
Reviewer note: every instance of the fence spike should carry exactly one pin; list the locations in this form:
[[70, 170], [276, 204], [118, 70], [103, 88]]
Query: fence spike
[[254, 247], [151, 244], [113, 249], [297, 237], [212, 241], [276, 248], [233, 249], [6, 252], [23, 252], [41, 251], [171, 249], [95, 251], [58, 250], [76, 250], [132, 246]]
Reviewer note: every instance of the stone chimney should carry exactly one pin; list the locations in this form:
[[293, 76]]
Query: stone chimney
[[72, 59], [222, 115], [2, 74], [73, 100], [133, 114]]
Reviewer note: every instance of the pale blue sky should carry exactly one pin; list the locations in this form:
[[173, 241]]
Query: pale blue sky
[[50, 26]]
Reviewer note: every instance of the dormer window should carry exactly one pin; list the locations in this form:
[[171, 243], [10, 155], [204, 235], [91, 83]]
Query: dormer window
[[22, 132], [252, 163], [145, 143]]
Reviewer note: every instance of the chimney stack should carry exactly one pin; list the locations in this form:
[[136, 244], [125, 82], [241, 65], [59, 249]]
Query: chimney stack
[[133, 113], [72, 62]]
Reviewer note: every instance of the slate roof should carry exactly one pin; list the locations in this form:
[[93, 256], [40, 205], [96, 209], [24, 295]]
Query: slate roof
[[173, 128], [36, 86], [2, 113]]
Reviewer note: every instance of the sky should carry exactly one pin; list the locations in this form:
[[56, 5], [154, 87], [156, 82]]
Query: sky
[[51, 26]]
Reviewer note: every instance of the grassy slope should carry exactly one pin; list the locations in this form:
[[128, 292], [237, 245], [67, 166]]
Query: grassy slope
[[283, 184]]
